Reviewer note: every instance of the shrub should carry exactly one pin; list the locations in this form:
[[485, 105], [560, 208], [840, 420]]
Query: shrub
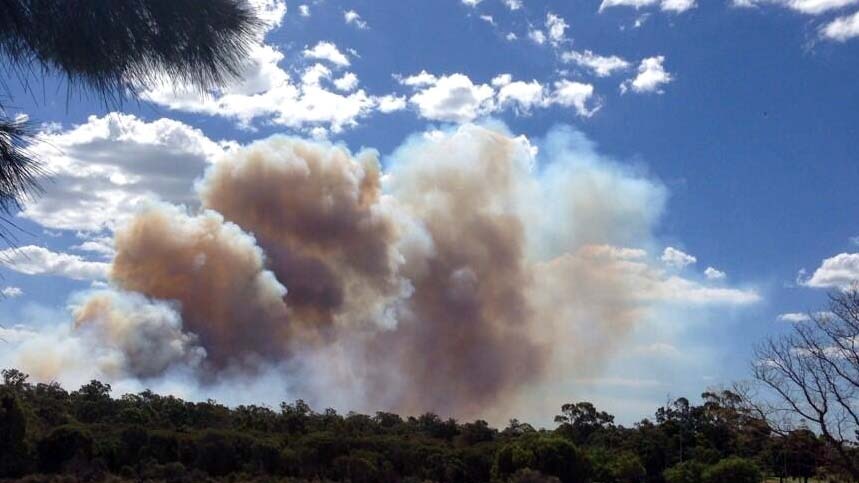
[[732, 470]]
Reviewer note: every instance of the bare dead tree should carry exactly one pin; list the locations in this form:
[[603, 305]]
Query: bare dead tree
[[812, 374]]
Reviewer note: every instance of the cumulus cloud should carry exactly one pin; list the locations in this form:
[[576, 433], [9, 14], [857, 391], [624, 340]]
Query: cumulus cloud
[[11, 292], [840, 271], [714, 274], [602, 66], [651, 77], [677, 6], [676, 258], [577, 95], [522, 95], [453, 98], [513, 4], [456, 98], [842, 28], [327, 51], [556, 27], [794, 317], [352, 17], [266, 90], [471, 3], [808, 7], [34, 260], [797, 317], [304, 10], [391, 103], [102, 170], [537, 36], [347, 82], [478, 267]]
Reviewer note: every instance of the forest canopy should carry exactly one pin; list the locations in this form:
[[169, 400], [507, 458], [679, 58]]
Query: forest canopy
[[47, 432]]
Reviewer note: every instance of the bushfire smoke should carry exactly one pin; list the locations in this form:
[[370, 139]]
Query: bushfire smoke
[[468, 270]]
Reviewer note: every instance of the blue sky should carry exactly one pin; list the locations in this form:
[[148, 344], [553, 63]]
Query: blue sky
[[744, 115]]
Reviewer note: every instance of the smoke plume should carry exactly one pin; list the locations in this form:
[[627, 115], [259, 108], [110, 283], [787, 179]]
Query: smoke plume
[[468, 270]]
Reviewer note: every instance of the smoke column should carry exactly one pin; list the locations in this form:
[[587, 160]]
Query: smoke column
[[467, 271]]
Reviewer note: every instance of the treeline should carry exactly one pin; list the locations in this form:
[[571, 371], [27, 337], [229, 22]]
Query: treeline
[[49, 434]]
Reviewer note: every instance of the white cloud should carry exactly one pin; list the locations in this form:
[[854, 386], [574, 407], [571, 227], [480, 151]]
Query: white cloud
[[714, 274], [347, 82], [556, 27], [304, 10], [794, 317], [266, 90], [327, 51], [842, 28], [391, 103], [102, 245], [797, 317], [501, 80], [454, 98], [522, 95], [270, 11], [471, 3], [511, 37], [808, 7], [600, 65], [10, 292], [513, 4], [352, 17], [488, 19], [677, 6], [423, 78], [34, 260], [840, 271], [575, 94], [687, 291], [104, 169], [537, 36], [676, 258], [651, 77]]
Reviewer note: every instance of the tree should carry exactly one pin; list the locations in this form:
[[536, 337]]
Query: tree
[[686, 472], [813, 374], [13, 430], [111, 48], [551, 456], [732, 470], [580, 420]]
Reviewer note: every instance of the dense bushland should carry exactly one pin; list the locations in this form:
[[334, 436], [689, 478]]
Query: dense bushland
[[49, 434]]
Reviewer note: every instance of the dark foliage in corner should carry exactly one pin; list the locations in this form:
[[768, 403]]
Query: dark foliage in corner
[[110, 48]]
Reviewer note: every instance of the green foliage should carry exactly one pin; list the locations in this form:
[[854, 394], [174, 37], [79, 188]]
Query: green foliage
[[732, 470], [14, 456], [89, 435], [547, 454], [686, 472], [63, 445]]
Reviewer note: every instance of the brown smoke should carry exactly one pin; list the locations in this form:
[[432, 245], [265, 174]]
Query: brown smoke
[[428, 288], [216, 273], [468, 339], [316, 212], [147, 334]]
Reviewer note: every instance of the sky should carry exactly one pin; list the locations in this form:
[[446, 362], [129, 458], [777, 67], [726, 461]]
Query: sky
[[712, 149]]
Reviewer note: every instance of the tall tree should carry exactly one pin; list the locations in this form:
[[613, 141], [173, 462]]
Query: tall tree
[[813, 373], [111, 48]]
